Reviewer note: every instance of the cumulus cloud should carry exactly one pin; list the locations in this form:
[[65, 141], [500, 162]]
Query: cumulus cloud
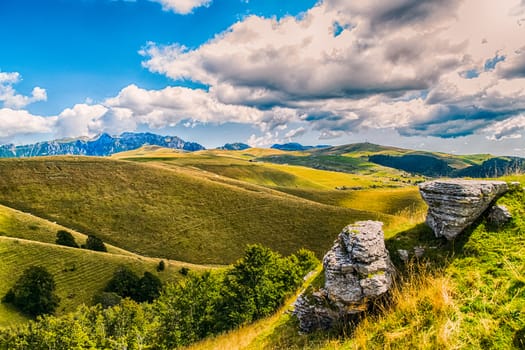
[[436, 68], [265, 140], [398, 65], [16, 122], [182, 7], [10, 98], [512, 128], [81, 120]]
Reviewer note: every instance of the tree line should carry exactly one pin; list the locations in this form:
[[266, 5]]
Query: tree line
[[198, 306]]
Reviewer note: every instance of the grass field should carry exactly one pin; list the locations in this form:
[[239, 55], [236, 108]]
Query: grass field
[[178, 212], [467, 294], [79, 273], [16, 224]]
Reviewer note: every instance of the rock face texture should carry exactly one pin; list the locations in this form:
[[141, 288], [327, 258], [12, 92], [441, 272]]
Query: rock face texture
[[453, 205], [499, 215], [357, 269]]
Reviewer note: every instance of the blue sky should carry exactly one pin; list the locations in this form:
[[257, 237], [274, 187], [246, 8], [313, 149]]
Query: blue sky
[[441, 74]]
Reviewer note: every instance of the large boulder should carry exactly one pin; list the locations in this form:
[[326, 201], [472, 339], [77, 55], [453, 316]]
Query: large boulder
[[357, 269], [453, 205]]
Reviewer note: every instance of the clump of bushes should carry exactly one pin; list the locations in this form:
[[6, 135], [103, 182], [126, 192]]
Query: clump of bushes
[[199, 305], [95, 243], [33, 293], [65, 238], [127, 284]]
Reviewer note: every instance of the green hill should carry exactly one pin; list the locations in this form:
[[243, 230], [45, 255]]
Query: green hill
[[178, 212], [79, 273], [466, 294], [368, 158], [26, 240]]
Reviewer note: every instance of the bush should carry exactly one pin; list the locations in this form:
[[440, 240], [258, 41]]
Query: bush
[[33, 292], [95, 243], [307, 261], [127, 284], [184, 271], [124, 283], [149, 288], [66, 239], [161, 266]]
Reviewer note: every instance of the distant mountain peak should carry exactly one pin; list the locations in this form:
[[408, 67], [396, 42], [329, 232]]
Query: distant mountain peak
[[101, 145], [294, 146], [236, 146]]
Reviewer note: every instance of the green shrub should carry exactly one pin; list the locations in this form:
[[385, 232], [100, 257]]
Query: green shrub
[[124, 283], [66, 239], [95, 243], [161, 266], [149, 288], [33, 293]]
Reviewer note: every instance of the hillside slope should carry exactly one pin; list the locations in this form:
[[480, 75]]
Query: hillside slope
[[177, 213], [467, 294], [79, 273]]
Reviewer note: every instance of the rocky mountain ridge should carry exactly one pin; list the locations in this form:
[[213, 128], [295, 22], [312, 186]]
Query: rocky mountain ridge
[[101, 145]]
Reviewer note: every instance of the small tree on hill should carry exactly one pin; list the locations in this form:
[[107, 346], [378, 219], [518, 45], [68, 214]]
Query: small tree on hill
[[95, 243], [149, 288], [65, 238], [33, 293], [124, 282], [161, 266]]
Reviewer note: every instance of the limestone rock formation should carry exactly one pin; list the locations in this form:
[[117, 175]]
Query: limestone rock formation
[[357, 269], [453, 205], [499, 215]]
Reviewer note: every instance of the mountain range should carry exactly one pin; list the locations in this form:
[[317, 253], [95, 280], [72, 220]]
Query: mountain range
[[353, 158], [101, 145]]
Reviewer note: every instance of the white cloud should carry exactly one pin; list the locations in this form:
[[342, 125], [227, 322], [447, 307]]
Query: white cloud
[[81, 120], [265, 140], [15, 122], [300, 131], [9, 96], [377, 73], [512, 128], [182, 7]]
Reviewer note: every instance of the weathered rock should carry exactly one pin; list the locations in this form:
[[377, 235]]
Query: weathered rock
[[403, 254], [499, 215], [357, 269], [419, 252], [453, 205]]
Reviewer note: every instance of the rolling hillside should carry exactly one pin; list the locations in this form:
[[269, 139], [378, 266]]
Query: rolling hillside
[[391, 193], [467, 294], [27, 240], [367, 158], [178, 213]]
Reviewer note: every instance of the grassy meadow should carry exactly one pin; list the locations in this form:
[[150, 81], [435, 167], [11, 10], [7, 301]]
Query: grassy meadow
[[205, 207], [79, 274], [170, 211], [467, 294]]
